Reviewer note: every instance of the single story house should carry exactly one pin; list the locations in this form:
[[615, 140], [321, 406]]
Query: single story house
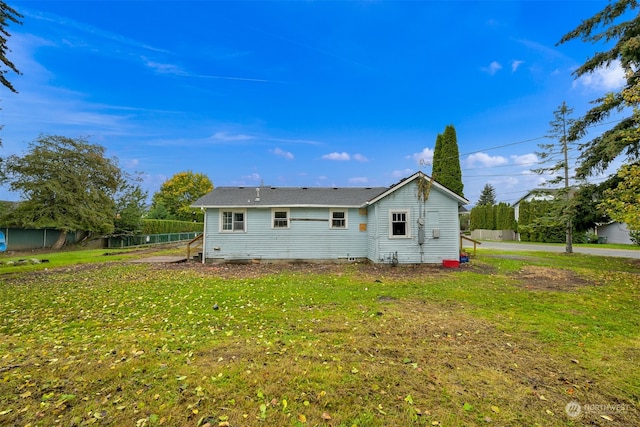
[[381, 224]]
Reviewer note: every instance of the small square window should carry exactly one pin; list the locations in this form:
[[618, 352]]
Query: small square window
[[399, 224], [280, 219], [338, 219], [232, 221]]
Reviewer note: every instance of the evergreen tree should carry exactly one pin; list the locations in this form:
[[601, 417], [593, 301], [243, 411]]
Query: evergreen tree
[[558, 153], [446, 161], [488, 195], [606, 29], [7, 15], [436, 170]]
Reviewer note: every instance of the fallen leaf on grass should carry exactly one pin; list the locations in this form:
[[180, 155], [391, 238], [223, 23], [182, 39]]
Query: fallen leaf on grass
[[606, 417], [326, 416], [495, 409], [302, 418]]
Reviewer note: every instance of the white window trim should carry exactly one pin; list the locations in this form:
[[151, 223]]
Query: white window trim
[[408, 223], [273, 218], [346, 219], [233, 212]]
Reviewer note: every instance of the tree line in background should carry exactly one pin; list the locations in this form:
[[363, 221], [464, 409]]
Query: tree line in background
[[70, 185], [545, 220]]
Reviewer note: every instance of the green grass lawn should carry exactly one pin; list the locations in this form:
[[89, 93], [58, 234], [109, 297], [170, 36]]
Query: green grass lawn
[[510, 339]]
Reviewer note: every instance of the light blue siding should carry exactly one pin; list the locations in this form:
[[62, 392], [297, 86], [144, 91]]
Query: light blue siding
[[439, 215], [309, 237]]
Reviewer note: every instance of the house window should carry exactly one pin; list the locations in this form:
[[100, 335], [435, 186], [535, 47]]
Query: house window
[[280, 218], [338, 219], [399, 224], [233, 221]]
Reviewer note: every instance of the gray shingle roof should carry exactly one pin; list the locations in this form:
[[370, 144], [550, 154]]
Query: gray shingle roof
[[287, 196]]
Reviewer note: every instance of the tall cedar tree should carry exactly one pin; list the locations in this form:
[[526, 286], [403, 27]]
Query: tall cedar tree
[[446, 161], [7, 15], [178, 193], [67, 184], [609, 28]]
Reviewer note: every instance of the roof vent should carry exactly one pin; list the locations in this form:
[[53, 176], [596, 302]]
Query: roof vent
[[257, 194]]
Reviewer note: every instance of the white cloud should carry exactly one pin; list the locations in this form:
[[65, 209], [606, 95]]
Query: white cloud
[[493, 68], [515, 64], [248, 179], [281, 153], [337, 156], [162, 68], [485, 160], [425, 156], [131, 163], [360, 158], [603, 79], [224, 136], [358, 180], [525, 159]]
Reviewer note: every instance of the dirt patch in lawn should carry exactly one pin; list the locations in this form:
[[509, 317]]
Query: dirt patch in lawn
[[433, 360], [549, 279], [367, 271]]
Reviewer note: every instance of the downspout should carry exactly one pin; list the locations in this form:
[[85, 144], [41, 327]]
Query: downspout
[[204, 234]]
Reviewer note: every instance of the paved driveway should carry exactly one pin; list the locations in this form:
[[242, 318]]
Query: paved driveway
[[622, 253]]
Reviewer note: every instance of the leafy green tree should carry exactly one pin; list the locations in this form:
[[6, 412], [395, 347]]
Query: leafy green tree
[[158, 211], [178, 193], [609, 28], [7, 15], [584, 205], [66, 183], [130, 203], [446, 161], [488, 195], [622, 203]]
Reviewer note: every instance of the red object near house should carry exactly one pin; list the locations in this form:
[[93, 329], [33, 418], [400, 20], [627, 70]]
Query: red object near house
[[450, 263]]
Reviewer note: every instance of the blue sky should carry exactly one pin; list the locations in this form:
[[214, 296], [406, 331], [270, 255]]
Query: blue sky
[[301, 93]]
